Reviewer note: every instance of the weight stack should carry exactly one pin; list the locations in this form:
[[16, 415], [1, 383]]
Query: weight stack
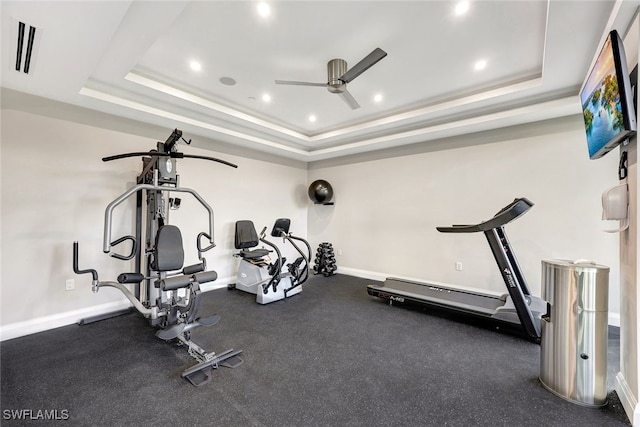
[[325, 262]]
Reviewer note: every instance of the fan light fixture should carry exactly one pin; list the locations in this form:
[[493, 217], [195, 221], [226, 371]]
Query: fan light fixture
[[339, 76]]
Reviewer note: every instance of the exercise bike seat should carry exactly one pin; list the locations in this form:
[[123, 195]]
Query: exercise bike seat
[[254, 254], [246, 238]]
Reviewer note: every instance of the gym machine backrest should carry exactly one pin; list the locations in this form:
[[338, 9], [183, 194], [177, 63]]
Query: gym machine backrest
[[512, 275], [168, 254]]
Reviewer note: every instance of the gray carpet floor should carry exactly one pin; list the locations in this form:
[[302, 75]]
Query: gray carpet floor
[[330, 356]]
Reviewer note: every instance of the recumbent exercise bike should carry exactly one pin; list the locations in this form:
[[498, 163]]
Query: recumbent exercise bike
[[257, 275]]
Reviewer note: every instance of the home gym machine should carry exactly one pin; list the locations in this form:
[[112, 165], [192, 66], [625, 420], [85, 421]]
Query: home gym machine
[[167, 293], [517, 308], [257, 275]]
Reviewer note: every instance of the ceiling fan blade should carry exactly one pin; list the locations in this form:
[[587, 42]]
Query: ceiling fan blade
[[350, 100], [362, 66], [291, 82]]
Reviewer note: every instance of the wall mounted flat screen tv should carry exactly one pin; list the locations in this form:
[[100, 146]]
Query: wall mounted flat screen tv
[[607, 100]]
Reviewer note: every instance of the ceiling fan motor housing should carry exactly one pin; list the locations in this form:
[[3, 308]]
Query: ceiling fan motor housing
[[336, 69]]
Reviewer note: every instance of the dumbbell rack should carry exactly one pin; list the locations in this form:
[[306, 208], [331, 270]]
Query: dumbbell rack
[[325, 262]]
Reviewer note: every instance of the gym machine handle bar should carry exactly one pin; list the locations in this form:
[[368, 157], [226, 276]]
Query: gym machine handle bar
[[173, 154], [199, 245], [76, 270], [201, 249], [106, 248], [134, 248]]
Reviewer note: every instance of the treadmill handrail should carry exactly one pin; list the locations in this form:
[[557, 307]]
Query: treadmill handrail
[[507, 214]]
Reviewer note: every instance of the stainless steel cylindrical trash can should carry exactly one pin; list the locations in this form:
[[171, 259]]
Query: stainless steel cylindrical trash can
[[573, 348]]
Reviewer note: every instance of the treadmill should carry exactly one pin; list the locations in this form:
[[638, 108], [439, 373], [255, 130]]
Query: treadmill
[[516, 308]]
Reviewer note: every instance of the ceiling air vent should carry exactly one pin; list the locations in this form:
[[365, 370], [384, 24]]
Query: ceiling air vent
[[25, 42]]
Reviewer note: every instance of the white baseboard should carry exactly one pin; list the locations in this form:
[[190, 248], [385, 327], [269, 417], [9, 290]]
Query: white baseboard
[[45, 323], [365, 274], [614, 318], [219, 283], [628, 400]]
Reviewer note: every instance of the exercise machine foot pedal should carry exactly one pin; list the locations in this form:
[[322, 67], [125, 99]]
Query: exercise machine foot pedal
[[200, 374], [171, 333], [208, 321], [200, 377], [232, 362], [229, 359]]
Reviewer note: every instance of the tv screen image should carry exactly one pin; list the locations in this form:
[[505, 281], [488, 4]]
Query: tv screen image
[[607, 100]]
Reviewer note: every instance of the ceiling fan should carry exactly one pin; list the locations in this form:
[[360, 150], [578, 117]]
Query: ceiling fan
[[339, 76]]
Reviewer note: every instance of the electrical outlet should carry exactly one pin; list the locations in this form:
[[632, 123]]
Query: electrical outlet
[[339, 252], [458, 266], [70, 285]]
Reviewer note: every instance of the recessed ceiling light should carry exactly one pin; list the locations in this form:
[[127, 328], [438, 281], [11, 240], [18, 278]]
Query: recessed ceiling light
[[195, 66], [378, 97], [228, 81], [312, 118], [480, 65], [266, 97], [462, 7], [263, 9]]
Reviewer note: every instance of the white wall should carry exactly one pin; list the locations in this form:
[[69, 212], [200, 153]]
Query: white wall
[[628, 378], [55, 189], [387, 209]]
